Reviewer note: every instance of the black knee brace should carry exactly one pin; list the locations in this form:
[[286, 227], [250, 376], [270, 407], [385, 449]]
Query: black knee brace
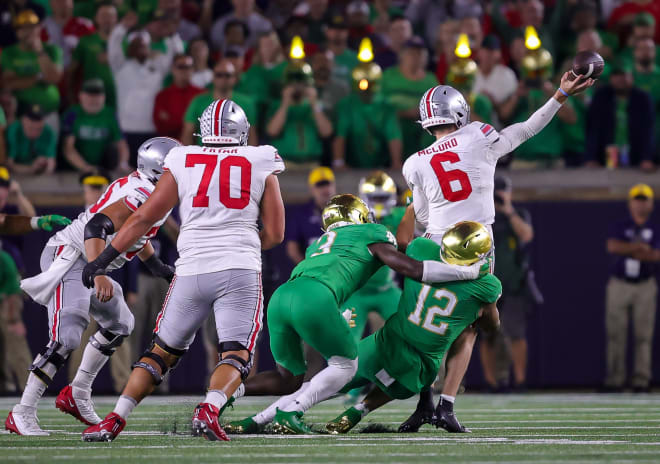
[[164, 368], [238, 363], [51, 355], [106, 348]]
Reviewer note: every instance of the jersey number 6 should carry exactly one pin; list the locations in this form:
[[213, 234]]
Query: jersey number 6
[[201, 200], [446, 177]]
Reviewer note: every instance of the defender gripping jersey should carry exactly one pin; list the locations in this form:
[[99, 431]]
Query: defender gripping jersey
[[429, 319], [220, 190]]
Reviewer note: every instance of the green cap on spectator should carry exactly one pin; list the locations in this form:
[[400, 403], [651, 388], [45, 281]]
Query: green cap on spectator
[[644, 19], [93, 86]]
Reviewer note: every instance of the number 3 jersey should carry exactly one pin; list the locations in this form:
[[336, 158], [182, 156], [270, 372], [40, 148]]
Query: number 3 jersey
[[453, 179], [428, 320], [220, 191], [133, 190], [341, 258]]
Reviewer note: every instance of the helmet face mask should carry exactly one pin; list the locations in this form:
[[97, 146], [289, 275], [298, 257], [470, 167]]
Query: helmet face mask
[[465, 243], [441, 105], [223, 122], [343, 210], [151, 156]]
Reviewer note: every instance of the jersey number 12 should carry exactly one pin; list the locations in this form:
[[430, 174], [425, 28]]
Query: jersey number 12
[[446, 303], [201, 199], [446, 177]]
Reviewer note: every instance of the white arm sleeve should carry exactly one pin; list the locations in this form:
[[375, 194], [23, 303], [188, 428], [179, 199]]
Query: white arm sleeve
[[435, 271], [116, 56], [513, 136]]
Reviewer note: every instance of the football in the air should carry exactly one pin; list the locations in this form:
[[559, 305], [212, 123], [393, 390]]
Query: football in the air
[[588, 64]]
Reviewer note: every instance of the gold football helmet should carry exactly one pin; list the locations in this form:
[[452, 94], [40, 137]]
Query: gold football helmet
[[378, 191], [366, 76], [343, 210], [465, 243]]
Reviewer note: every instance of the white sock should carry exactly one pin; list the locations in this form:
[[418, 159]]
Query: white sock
[[34, 390], [451, 399], [90, 366], [240, 391], [325, 384], [124, 407], [362, 408], [216, 397], [266, 416]]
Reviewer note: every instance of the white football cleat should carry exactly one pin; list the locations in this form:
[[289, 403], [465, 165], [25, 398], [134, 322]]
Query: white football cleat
[[81, 408], [22, 420]]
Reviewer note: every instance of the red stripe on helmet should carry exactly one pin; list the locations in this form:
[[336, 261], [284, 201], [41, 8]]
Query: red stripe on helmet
[[428, 102], [216, 116]]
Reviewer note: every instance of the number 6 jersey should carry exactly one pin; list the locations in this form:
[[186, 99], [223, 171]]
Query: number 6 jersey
[[220, 190], [453, 179]]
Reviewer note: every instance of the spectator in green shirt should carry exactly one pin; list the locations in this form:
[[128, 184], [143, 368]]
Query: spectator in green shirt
[[32, 69], [367, 130], [3, 137], [297, 125], [336, 36], [646, 76], [403, 86], [90, 57], [92, 138], [31, 143], [224, 81]]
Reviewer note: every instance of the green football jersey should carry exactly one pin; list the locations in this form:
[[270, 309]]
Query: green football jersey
[[341, 259], [384, 277], [429, 319]]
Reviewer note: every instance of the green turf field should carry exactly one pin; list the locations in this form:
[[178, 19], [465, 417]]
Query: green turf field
[[506, 428]]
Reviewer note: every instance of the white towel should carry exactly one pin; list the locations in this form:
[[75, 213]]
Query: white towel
[[42, 286]]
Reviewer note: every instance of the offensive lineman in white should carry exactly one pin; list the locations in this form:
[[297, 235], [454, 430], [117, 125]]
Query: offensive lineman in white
[[453, 180], [223, 189], [70, 304]]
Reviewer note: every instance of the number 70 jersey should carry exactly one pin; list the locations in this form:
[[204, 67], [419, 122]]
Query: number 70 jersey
[[453, 179], [220, 191]]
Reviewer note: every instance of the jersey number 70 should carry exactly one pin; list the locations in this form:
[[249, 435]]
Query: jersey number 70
[[446, 177], [201, 199]]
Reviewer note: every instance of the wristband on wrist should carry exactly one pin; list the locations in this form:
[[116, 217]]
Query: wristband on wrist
[[563, 92], [34, 222], [107, 256]]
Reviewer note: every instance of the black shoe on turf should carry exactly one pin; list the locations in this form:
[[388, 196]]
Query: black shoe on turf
[[446, 418], [422, 415]]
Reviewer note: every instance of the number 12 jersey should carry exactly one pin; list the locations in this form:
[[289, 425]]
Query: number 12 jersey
[[453, 179], [220, 191]]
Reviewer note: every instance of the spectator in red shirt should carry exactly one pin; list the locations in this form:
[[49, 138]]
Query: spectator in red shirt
[[172, 101], [65, 30]]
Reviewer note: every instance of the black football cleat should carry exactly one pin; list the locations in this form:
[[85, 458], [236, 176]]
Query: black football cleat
[[446, 418], [422, 415]]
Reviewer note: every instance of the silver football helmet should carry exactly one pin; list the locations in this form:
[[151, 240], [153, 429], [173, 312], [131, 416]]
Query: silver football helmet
[[151, 156], [443, 104], [224, 122]]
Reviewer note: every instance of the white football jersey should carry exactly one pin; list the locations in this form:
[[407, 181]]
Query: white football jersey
[[453, 179], [220, 190], [133, 190]]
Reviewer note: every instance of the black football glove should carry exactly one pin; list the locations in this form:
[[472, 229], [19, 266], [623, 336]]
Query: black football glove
[[98, 266], [159, 268]]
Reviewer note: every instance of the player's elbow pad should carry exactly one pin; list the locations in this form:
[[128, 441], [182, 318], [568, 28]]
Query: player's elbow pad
[[100, 226]]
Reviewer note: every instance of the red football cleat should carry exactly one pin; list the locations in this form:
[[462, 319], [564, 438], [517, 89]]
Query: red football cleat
[[205, 423], [83, 410], [106, 430]]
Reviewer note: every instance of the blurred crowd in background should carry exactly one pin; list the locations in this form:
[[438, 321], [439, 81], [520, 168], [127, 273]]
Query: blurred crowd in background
[[85, 82]]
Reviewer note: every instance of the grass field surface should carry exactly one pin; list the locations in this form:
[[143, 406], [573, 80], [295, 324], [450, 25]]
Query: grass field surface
[[539, 428]]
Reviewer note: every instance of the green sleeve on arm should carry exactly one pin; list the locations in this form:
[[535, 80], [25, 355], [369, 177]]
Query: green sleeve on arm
[[9, 277], [50, 142], [54, 52], [423, 248], [489, 288]]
